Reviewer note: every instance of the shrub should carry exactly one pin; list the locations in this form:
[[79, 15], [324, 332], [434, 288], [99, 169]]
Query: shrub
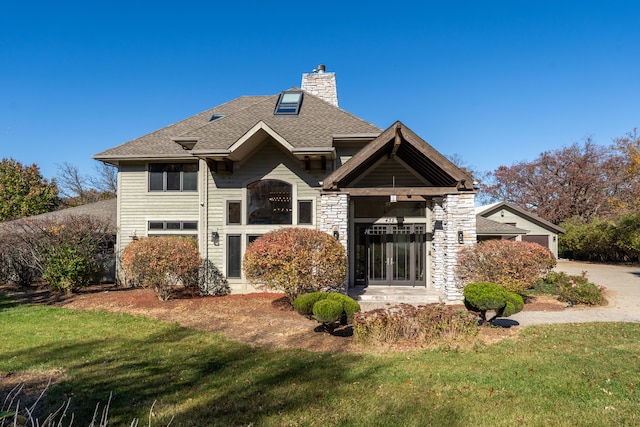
[[602, 240], [328, 312], [486, 296], [211, 281], [573, 289], [304, 303], [161, 263], [66, 249], [349, 305], [296, 261], [17, 259], [513, 265], [428, 324]]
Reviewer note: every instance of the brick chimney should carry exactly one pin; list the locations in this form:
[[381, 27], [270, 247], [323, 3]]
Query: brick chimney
[[321, 84]]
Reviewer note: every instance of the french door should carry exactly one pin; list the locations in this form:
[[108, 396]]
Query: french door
[[392, 254]]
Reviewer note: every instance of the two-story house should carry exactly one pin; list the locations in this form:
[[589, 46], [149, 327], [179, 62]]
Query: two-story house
[[295, 159]]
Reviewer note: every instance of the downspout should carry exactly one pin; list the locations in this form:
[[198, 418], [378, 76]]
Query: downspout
[[204, 209]]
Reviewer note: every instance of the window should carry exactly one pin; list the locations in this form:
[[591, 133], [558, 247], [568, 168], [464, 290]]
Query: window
[[269, 202], [172, 225], [234, 256], [173, 177], [233, 212], [305, 215], [252, 238], [289, 103]]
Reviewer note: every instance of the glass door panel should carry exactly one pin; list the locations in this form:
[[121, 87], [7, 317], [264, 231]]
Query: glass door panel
[[401, 250], [390, 254], [377, 253]]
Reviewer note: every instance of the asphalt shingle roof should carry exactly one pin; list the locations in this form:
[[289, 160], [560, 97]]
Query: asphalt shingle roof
[[314, 126], [105, 210]]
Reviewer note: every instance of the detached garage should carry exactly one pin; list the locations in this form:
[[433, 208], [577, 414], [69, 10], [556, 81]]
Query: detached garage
[[531, 227]]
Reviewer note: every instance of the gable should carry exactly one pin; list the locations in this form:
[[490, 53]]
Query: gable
[[497, 212], [390, 173], [432, 172]]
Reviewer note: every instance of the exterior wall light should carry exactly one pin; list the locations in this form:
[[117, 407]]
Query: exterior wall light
[[215, 237], [460, 237]]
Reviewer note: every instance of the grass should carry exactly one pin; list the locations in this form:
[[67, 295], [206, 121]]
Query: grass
[[575, 374]]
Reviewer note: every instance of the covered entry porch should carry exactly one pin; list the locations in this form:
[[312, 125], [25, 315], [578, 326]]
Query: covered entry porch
[[402, 211]]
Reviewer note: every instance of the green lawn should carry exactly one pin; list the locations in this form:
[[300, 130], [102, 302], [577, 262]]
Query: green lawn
[[551, 375]]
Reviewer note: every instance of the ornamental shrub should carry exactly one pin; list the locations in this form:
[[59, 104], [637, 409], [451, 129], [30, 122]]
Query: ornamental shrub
[[573, 289], [516, 266], [304, 303], [18, 262], [296, 261], [66, 249], [429, 324], [328, 312], [349, 305], [161, 263], [211, 281], [481, 297]]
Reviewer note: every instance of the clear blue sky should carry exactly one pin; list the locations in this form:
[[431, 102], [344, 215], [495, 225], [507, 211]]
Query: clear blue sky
[[496, 82]]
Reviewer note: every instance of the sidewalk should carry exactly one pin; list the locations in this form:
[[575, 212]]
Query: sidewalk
[[622, 285]]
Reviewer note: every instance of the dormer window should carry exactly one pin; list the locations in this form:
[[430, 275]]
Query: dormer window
[[289, 103]]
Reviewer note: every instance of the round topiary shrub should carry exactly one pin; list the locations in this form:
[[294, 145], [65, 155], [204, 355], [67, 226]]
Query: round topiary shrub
[[481, 297], [328, 312], [513, 304], [304, 303], [349, 306]]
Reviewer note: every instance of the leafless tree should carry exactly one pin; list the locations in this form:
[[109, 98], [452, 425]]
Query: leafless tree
[[105, 179]]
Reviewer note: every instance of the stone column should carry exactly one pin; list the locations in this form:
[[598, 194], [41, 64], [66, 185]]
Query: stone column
[[454, 228], [334, 217]]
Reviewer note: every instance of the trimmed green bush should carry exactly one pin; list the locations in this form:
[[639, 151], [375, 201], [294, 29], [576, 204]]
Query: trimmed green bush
[[349, 305], [481, 297], [514, 304], [304, 303], [328, 312]]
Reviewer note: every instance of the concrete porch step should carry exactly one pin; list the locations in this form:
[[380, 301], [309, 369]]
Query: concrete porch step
[[372, 297]]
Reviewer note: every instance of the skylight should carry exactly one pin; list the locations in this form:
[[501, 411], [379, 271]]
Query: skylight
[[289, 103], [216, 116]]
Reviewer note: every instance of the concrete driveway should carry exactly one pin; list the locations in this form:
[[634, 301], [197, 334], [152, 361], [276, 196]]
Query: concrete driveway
[[622, 291]]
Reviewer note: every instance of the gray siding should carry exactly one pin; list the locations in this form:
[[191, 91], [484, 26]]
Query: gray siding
[[268, 162], [136, 205]]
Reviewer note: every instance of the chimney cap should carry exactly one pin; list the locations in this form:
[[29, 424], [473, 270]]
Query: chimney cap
[[321, 68]]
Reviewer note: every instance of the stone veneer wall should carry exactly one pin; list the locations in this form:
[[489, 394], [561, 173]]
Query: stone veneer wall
[[322, 85], [334, 216], [451, 213]]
